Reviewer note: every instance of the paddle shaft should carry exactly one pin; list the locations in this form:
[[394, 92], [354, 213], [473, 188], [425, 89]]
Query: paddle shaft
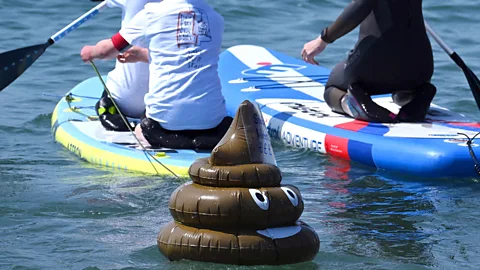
[[472, 79], [79, 21], [439, 40]]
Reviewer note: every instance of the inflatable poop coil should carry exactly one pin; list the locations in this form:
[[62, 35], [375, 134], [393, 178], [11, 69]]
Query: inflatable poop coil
[[282, 245], [236, 211], [205, 206], [245, 175]]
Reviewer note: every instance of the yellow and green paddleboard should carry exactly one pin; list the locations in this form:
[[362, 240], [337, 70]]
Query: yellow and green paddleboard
[[76, 126]]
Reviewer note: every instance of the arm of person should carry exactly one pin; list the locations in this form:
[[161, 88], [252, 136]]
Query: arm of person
[[104, 49], [133, 32], [116, 3], [350, 18], [113, 3], [133, 55]]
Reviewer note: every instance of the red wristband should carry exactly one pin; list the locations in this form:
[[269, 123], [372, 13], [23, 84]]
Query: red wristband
[[120, 43]]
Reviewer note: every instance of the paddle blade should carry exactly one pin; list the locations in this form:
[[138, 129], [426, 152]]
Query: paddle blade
[[474, 84], [472, 79], [14, 63]]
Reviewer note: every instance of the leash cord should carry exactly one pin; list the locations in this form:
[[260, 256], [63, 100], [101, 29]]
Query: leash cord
[[145, 151]]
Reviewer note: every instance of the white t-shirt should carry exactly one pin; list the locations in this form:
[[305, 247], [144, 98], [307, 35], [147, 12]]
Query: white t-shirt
[[184, 39], [128, 83]]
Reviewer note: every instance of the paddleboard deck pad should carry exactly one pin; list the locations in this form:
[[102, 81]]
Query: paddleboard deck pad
[[290, 95], [76, 126]]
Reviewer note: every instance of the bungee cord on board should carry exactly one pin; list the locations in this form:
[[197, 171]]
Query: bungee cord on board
[[69, 94], [280, 81], [470, 150], [69, 98], [145, 151], [298, 84], [269, 78]]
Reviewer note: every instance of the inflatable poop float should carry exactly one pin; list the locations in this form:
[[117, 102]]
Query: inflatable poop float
[[236, 211]]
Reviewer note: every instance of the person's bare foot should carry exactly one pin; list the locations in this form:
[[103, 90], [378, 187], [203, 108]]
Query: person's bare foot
[[141, 138]]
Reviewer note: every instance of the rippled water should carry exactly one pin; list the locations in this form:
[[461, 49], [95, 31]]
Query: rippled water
[[58, 212]]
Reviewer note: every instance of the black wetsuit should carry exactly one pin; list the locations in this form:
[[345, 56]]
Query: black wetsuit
[[205, 139], [393, 52]]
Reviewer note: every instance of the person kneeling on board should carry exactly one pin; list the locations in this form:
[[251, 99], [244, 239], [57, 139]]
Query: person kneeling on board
[[185, 108], [127, 83], [393, 55]]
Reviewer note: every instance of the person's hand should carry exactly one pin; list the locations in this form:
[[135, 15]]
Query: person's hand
[[312, 49], [133, 55], [86, 53]]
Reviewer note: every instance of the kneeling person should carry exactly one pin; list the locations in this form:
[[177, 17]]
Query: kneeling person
[[185, 107], [393, 55], [127, 83]]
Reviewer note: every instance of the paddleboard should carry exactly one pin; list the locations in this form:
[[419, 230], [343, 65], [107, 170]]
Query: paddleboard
[[75, 125], [290, 95]]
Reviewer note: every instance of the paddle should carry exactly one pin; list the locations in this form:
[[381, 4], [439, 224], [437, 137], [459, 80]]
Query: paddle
[[472, 79], [14, 63]]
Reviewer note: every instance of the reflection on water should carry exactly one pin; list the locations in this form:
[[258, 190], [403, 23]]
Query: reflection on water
[[378, 217]]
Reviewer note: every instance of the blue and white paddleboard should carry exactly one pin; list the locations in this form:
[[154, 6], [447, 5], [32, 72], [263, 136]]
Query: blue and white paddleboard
[[290, 94], [75, 125]]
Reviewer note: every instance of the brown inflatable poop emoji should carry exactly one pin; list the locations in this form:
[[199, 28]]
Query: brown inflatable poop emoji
[[236, 211]]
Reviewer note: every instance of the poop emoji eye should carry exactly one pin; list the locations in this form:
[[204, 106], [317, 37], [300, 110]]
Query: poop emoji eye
[[291, 195], [260, 199]]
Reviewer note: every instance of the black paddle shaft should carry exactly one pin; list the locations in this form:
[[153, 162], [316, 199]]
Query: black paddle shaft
[[14, 63]]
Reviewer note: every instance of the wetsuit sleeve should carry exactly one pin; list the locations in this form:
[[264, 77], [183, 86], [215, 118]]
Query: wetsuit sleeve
[[350, 18], [134, 31]]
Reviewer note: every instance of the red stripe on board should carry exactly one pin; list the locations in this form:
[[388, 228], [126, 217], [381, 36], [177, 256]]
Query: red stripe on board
[[264, 63], [355, 125], [337, 146], [465, 124]]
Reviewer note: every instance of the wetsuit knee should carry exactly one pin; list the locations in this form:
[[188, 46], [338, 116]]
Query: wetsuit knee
[[109, 116], [357, 104], [207, 139], [333, 97]]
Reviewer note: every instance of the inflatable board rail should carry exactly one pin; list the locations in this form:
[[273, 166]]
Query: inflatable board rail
[[290, 94]]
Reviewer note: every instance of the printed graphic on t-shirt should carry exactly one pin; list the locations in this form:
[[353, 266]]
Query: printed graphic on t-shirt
[[194, 61], [193, 27]]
